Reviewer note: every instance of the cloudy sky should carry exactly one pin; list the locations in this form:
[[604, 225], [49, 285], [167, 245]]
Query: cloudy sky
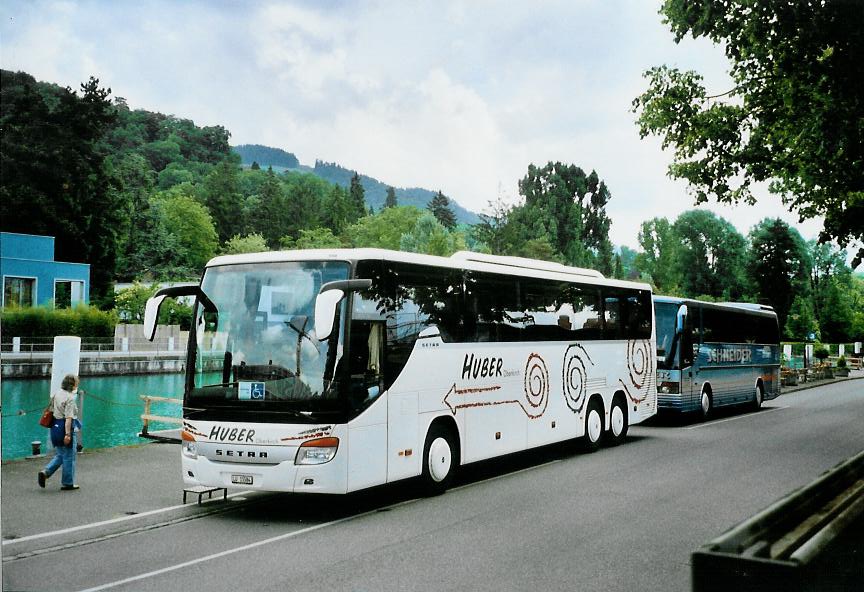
[[454, 95]]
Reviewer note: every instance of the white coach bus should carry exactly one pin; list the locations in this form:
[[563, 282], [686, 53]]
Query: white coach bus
[[335, 370]]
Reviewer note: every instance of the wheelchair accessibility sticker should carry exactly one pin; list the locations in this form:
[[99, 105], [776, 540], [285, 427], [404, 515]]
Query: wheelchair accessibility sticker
[[250, 391]]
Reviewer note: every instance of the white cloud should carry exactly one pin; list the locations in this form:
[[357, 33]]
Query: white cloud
[[458, 96]]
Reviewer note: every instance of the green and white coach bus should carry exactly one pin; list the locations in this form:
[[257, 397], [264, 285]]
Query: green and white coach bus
[[335, 370], [712, 355]]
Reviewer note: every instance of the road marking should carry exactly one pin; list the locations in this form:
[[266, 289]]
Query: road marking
[[711, 423], [43, 535], [280, 537], [295, 533]]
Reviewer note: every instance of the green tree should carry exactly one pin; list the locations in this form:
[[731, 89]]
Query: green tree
[[801, 322], [658, 258], [358, 196], [711, 257], [440, 208], [384, 230], [134, 183], [313, 238], [271, 216], [182, 217], [338, 210], [252, 243], [221, 194], [430, 236], [390, 201], [832, 289], [794, 117], [777, 265], [568, 207]]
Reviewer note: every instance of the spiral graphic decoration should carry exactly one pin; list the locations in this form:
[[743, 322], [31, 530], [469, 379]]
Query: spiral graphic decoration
[[536, 386], [640, 365], [574, 376]]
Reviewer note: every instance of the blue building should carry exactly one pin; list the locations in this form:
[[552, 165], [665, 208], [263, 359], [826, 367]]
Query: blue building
[[31, 277]]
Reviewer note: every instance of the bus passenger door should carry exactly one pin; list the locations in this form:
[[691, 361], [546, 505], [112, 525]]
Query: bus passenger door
[[689, 359]]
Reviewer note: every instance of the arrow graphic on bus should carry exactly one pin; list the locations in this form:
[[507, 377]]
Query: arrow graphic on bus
[[463, 398]]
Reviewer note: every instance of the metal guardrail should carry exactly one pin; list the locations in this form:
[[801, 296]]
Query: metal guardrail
[[810, 540]]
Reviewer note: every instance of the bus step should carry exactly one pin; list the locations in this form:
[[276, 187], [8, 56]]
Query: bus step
[[200, 490]]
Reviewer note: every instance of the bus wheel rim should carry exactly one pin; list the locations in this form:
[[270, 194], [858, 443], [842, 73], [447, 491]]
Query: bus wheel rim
[[440, 459], [617, 421], [594, 425], [706, 402]]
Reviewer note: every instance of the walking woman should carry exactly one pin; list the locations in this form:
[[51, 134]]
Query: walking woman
[[65, 407]]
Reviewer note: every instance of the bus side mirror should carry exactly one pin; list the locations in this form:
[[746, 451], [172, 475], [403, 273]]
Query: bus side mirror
[[330, 295], [681, 319], [325, 312], [151, 314]]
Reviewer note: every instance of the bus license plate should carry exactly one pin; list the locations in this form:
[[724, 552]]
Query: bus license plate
[[241, 479]]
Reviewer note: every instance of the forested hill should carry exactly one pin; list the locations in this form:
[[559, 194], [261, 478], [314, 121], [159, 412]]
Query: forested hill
[[376, 191], [266, 156]]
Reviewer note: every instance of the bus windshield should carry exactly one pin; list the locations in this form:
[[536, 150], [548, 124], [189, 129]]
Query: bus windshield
[[258, 351], [665, 314]]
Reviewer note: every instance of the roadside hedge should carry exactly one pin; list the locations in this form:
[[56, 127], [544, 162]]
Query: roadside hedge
[[82, 321]]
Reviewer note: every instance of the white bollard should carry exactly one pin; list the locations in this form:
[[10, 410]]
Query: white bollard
[[808, 353], [787, 351], [66, 359], [16, 345], [171, 343], [125, 346], [841, 350], [857, 347]]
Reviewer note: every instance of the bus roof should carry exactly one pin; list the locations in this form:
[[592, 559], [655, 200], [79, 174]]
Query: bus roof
[[745, 306], [460, 260]]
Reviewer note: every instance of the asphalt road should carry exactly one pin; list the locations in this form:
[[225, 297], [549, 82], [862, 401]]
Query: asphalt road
[[624, 518]]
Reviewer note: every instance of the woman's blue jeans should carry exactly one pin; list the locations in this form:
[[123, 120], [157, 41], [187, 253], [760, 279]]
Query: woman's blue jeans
[[64, 456]]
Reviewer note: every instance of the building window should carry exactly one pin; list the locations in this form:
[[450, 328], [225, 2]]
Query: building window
[[68, 293], [18, 291]]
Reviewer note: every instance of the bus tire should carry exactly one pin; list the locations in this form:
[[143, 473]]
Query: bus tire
[[440, 459], [759, 397], [618, 421], [593, 425], [706, 404]]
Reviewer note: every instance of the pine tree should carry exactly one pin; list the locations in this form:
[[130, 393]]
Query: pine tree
[[357, 195], [440, 208], [390, 201]]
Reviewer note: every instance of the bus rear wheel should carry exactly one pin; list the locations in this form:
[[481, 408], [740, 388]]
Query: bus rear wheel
[[618, 422], [593, 426], [440, 459]]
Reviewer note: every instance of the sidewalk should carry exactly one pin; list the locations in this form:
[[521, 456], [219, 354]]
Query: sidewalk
[[118, 485], [853, 375]]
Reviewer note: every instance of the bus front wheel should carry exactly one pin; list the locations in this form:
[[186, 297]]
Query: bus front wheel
[[760, 397], [705, 402], [440, 459]]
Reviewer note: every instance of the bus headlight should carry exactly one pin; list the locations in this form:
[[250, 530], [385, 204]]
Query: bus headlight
[[190, 450], [190, 446], [669, 388], [317, 452]]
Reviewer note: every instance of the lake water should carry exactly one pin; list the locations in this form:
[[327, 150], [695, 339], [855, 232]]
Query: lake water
[[111, 411]]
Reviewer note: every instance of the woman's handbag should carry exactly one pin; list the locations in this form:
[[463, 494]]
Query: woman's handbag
[[47, 419]]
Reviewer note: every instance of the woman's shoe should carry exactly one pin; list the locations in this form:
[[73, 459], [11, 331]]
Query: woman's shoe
[[69, 488], [42, 477]]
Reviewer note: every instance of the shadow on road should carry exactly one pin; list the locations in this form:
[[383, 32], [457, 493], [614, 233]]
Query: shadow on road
[[308, 509], [675, 419]]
